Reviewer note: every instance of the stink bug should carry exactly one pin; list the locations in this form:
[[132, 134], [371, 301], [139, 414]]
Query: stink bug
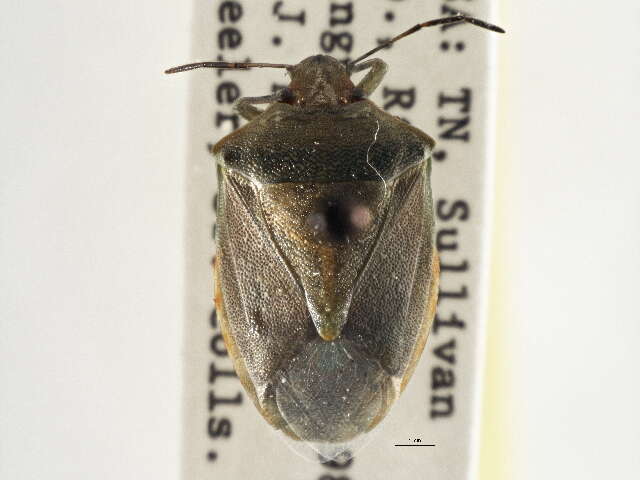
[[326, 272]]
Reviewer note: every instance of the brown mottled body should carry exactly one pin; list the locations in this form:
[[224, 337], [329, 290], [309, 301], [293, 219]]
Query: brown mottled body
[[326, 272]]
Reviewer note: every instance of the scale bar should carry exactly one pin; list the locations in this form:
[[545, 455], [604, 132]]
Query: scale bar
[[414, 445]]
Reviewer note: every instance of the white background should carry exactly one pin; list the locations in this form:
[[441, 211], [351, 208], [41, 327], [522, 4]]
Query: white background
[[91, 210], [569, 225]]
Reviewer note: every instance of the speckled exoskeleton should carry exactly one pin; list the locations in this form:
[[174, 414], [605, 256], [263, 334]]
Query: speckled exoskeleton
[[326, 272]]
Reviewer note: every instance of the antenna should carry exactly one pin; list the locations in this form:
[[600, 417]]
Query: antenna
[[458, 18], [227, 65]]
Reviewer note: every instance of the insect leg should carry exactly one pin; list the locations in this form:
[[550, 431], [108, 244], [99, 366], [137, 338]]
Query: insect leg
[[374, 76], [245, 105]]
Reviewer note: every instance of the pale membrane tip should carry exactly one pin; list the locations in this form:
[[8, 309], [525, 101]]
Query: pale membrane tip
[[327, 452]]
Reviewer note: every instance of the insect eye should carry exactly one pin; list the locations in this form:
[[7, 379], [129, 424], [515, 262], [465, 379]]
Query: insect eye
[[338, 220], [287, 95], [357, 94]]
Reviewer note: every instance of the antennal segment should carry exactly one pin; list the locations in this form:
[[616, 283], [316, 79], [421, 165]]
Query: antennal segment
[[458, 18], [226, 65]]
